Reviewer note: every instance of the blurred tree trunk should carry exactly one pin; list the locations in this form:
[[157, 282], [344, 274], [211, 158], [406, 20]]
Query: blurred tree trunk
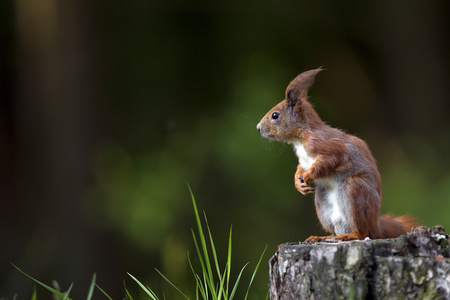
[[57, 90], [414, 266]]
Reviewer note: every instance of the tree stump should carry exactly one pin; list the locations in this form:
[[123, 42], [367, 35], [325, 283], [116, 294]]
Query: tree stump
[[413, 266]]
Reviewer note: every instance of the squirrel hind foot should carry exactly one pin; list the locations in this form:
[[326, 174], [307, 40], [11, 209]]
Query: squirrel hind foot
[[332, 238], [316, 239]]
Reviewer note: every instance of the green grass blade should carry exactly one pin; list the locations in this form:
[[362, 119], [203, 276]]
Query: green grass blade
[[154, 294], [254, 272], [203, 288], [229, 262], [66, 294], [103, 292], [206, 282], [196, 291], [54, 291], [221, 288], [206, 286], [223, 283], [199, 253], [199, 284], [34, 295], [207, 265], [91, 288], [173, 285], [216, 261], [237, 282], [213, 247], [127, 294], [150, 293]]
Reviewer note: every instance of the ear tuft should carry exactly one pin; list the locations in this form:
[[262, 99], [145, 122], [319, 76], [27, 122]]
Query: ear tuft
[[299, 87]]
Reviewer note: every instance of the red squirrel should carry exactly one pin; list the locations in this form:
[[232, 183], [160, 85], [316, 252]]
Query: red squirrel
[[338, 167]]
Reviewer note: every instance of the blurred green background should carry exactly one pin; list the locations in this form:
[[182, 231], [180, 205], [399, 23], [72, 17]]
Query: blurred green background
[[109, 108]]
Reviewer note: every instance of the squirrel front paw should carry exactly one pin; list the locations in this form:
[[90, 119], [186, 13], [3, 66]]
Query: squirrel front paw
[[303, 187]]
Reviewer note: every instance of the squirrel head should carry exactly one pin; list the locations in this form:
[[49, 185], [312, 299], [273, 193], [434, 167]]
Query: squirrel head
[[290, 119]]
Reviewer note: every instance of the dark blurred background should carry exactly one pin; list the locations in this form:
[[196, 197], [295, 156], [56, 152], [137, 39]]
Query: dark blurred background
[[108, 109]]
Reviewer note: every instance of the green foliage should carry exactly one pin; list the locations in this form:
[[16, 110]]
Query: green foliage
[[213, 283], [103, 292], [65, 295]]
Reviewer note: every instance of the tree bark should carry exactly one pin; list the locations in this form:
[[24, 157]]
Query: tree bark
[[413, 266]]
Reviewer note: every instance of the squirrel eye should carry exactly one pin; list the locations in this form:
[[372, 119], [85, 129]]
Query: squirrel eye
[[275, 115]]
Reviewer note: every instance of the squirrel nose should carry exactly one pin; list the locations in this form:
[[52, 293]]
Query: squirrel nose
[[258, 127]]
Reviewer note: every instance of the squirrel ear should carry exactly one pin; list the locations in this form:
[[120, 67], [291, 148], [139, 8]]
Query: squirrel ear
[[298, 88], [292, 96]]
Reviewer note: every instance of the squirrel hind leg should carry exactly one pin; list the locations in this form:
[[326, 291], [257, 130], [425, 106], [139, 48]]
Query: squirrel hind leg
[[332, 238]]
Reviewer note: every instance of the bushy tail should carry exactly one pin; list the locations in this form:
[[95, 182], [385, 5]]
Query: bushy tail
[[392, 227]]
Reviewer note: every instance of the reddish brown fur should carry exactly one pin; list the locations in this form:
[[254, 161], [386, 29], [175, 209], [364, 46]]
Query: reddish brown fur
[[338, 158], [391, 226]]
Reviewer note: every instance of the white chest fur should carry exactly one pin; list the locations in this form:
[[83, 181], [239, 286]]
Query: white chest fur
[[304, 158]]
